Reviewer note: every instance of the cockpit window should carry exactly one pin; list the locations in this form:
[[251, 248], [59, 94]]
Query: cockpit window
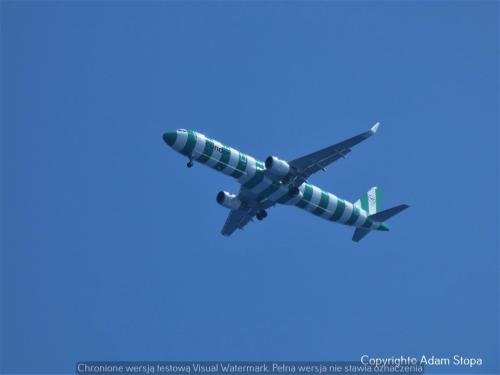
[[183, 130]]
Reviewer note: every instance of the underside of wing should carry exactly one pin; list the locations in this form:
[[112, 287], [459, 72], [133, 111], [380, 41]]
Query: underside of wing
[[237, 219], [307, 165]]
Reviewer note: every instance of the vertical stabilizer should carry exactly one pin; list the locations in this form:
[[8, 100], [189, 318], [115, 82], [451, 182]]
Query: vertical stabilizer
[[370, 201]]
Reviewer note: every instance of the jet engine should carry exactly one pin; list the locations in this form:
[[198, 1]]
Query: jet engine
[[277, 166], [228, 200]]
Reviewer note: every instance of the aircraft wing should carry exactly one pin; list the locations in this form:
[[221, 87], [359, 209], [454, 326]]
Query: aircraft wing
[[309, 164], [237, 219]]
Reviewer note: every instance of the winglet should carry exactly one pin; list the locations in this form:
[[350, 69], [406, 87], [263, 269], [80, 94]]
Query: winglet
[[374, 128]]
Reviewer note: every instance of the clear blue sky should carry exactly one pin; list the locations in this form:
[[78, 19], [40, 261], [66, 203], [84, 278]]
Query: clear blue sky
[[111, 247]]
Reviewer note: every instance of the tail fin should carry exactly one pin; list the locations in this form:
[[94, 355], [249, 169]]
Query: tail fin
[[381, 216], [370, 201]]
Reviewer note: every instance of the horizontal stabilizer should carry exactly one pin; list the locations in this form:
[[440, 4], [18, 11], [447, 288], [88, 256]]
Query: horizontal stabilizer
[[387, 214], [380, 217], [359, 233]]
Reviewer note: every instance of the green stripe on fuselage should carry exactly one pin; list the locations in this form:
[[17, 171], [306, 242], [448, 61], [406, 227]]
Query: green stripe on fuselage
[[339, 210], [207, 151], [323, 204], [224, 159], [190, 143], [354, 216], [241, 167], [306, 198]]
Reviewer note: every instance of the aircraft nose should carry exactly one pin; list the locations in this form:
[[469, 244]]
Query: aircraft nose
[[169, 138]]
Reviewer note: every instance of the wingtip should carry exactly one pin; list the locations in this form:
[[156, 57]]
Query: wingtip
[[374, 128]]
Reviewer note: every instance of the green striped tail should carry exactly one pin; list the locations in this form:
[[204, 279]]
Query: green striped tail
[[370, 201]]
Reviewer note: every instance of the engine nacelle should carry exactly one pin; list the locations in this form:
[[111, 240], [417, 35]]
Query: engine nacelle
[[277, 166], [228, 200]]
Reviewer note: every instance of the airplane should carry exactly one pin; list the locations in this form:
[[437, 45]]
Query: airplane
[[265, 184]]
